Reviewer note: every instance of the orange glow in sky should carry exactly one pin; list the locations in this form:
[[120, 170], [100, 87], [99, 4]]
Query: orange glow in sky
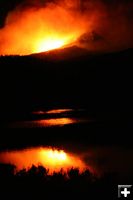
[[49, 44], [34, 30]]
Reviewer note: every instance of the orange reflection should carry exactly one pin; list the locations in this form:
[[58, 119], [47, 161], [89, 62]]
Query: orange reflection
[[58, 111], [54, 111], [47, 122], [55, 122], [52, 159]]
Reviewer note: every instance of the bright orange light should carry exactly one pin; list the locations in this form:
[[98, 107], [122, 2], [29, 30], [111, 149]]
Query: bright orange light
[[54, 111], [48, 44], [54, 156], [57, 155], [62, 121], [52, 159], [58, 159], [55, 122], [59, 111], [37, 30]]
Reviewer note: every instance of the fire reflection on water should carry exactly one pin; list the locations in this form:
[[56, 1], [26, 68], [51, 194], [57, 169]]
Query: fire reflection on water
[[52, 159], [55, 122], [53, 111], [43, 123]]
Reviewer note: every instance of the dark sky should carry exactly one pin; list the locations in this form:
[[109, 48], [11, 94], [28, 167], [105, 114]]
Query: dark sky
[[8, 5], [5, 7]]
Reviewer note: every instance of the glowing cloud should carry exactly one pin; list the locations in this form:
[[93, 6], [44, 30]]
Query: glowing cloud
[[38, 26], [38, 29]]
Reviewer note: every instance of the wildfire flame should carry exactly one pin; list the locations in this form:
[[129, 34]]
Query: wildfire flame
[[41, 29], [49, 44], [54, 24]]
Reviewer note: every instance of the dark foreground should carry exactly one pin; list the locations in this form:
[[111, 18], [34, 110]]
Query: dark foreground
[[101, 85], [37, 184]]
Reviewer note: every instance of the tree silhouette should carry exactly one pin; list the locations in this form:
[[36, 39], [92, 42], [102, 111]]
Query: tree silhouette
[[37, 183]]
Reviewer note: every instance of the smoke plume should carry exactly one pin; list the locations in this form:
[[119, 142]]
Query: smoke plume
[[36, 26]]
